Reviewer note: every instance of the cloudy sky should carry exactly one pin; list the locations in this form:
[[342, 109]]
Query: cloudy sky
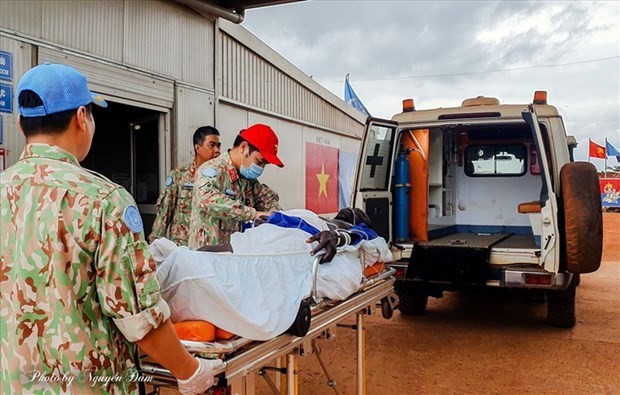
[[441, 52]]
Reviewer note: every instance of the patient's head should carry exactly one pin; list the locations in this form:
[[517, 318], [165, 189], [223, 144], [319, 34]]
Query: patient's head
[[354, 216]]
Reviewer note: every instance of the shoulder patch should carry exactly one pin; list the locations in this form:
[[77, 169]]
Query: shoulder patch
[[168, 181], [132, 218], [209, 172]]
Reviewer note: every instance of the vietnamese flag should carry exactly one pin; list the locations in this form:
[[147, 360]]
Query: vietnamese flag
[[596, 151], [321, 178]]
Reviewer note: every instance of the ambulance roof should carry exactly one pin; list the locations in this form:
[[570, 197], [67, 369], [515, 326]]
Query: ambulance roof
[[476, 108]]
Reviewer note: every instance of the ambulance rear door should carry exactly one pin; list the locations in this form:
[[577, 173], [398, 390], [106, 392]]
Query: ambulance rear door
[[374, 169], [550, 251]]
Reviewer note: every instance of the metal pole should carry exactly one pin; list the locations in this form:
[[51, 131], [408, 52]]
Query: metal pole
[[281, 378], [291, 374], [361, 354], [605, 170]]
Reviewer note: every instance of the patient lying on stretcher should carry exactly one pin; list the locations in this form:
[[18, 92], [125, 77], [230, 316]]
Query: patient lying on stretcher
[[350, 226], [255, 289]]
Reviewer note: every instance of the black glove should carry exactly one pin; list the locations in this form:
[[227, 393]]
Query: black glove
[[328, 240]]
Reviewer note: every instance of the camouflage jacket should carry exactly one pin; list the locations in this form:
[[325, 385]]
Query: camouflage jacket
[[78, 280], [174, 206], [223, 200]]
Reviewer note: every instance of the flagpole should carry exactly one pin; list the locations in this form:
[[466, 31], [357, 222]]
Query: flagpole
[[589, 145], [605, 171]]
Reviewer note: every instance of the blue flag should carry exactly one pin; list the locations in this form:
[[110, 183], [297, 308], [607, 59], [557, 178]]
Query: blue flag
[[612, 151], [351, 98]]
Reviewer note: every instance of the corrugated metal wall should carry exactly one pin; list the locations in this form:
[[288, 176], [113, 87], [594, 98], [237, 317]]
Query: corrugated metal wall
[[197, 110], [168, 38], [132, 50], [249, 78], [13, 139], [62, 22], [163, 56], [112, 81], [162, 37]]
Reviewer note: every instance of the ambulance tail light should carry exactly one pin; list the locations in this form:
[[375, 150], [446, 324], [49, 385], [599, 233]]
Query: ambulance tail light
[[540, 97], [408, 105], [538, 279], [400, 271]]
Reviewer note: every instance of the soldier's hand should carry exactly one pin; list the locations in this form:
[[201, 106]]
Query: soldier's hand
[[328, 240], [259, 220], [262, 214], [202, 379]]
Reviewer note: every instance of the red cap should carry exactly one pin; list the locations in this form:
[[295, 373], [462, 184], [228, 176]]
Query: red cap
[[265, 140]]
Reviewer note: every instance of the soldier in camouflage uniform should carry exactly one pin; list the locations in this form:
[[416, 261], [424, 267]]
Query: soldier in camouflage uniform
[[174, 205], [79, 289], [227, 192]]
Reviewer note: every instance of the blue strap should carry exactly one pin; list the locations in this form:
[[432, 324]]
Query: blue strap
[[287, 221], [361, 232]]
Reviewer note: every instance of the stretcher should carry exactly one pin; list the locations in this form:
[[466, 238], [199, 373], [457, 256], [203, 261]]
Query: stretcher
[[244, 359]]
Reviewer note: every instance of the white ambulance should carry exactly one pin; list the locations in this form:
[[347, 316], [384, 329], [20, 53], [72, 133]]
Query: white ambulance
[[481, 195]]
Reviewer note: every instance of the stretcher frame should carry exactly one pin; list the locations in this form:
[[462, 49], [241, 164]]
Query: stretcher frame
[[248, 357]]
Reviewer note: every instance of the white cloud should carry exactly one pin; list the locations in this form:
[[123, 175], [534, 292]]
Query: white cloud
[[440, 53]]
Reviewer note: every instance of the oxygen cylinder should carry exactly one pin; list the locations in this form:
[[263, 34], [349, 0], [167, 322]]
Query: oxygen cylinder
[[401, 197]]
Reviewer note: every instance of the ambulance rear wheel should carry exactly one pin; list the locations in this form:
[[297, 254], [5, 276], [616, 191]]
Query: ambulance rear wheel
[[412, 302], [301, 325], [561, 306]]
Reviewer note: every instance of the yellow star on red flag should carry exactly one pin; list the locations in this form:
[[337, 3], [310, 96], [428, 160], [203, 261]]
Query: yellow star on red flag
[[323, 177]]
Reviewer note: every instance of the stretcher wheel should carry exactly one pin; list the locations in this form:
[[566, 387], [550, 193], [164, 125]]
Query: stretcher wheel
[[386, 308], [301, 325]]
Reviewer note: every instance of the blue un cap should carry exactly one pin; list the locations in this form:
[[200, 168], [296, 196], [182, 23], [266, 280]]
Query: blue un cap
[[60, 87]]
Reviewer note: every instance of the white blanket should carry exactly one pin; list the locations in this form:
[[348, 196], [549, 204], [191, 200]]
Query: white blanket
[[256, 296]]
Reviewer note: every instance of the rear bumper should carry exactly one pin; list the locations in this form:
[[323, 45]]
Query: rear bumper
[[519, 278], [530, 276]]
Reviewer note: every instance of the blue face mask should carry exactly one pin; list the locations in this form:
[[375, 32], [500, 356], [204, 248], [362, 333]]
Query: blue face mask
[[252, 172]]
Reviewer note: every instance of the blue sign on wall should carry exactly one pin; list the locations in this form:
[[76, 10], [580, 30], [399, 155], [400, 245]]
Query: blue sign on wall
[[6, 66], [6, 98]]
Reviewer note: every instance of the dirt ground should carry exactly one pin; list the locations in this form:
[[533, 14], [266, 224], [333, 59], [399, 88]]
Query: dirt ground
[[491, 341], [611, 237], [488, 342]]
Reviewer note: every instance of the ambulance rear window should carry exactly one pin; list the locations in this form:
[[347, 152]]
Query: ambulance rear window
[[491, 160]]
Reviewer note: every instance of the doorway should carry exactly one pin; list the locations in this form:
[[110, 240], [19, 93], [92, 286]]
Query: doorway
[[126, 150]]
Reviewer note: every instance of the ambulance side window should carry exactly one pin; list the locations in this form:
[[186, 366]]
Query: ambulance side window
[[485, 160], [375, 166]]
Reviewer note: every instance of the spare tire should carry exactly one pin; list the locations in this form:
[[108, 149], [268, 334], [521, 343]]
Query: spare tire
[[583, 217]]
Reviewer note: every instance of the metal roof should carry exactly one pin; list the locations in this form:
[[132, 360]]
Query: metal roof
[[232, 10], [245, 4]]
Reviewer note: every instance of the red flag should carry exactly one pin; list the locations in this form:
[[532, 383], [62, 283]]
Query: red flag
[[321, 178], [597, 151]]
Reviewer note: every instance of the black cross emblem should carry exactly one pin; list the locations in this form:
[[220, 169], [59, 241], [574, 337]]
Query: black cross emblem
[[374, 161]]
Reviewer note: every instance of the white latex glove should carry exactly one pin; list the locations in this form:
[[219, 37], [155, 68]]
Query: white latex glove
[[202, 378]]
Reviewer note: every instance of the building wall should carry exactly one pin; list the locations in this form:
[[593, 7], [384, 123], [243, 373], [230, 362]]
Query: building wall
[[255, 76], [257, 85], [13, 140], [197, 71]]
